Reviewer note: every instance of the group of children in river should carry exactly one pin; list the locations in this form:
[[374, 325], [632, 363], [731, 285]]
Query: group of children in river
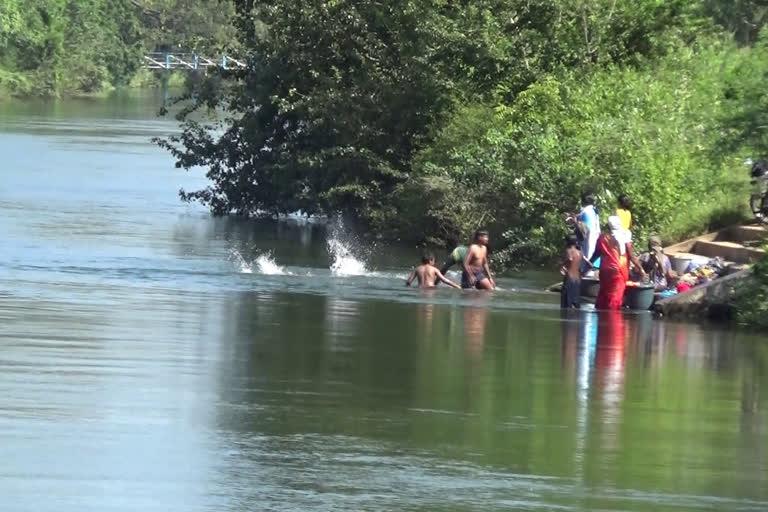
[[475, 271]]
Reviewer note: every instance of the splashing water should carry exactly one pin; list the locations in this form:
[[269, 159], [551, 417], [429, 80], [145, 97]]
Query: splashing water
[[242, 265], [344, 261], [265, 264], [268, 266]]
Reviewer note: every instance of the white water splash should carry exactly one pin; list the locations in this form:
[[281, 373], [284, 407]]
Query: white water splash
[[267, 266], [344, 262], [243, 266]]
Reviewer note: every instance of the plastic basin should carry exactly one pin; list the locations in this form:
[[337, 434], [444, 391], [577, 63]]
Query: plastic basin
[[640, 296], [680, 264]]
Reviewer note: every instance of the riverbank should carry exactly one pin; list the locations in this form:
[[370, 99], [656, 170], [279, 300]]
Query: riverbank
[[738, 292], [739, 299], [144, 79]]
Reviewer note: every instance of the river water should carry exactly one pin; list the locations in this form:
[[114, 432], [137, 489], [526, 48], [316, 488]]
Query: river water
[[156, 359]]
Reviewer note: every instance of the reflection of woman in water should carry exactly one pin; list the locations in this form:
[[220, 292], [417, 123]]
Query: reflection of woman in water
[[611, 341], [610, 375]]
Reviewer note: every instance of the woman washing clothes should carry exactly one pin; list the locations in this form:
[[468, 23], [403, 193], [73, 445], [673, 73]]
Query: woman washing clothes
[[614, 248]]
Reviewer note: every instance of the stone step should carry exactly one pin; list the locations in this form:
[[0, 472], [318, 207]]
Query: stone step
[[742, 234], [730, 251], [697, 257]]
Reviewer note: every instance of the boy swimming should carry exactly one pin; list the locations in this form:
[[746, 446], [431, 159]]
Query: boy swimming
[[427, 273], [476, 272]]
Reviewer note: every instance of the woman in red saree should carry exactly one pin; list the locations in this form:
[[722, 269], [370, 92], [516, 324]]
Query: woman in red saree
[[614, 248]]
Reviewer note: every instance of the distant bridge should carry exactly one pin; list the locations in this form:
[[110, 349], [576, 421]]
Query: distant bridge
[[189, 61]]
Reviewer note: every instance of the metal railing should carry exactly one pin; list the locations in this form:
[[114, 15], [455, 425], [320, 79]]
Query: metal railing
[[189, 61]]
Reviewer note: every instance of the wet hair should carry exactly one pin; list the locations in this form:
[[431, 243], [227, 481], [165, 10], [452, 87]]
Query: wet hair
[[625, 201], [571, 241], [427, 257], [480, 233], [588, 199]]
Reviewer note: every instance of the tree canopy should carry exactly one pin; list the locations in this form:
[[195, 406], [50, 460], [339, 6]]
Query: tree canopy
[[58, 47], [423, 119]]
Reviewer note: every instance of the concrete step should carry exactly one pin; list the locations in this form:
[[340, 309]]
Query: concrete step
[[686, 246], [692, 256], [730, 251], [742, 234]]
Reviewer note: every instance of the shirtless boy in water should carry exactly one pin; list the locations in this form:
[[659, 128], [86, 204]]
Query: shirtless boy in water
[[428, 274], [570, 294], [476, 273]]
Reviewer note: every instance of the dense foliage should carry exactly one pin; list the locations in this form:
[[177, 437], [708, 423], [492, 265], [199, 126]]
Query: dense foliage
[[60, 47], [646, 130], [423, 119]]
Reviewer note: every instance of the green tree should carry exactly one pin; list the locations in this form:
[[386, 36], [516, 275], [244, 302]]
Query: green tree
[[745, 120], [341, 95], [189, 25], [743, 18], [647, 131], [337, 98], [60, 47]]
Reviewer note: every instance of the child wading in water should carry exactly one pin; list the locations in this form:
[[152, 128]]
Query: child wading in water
[[570, 294], [475, 270], [428, 274]]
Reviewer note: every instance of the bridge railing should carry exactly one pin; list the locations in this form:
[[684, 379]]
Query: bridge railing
[[189, 61]]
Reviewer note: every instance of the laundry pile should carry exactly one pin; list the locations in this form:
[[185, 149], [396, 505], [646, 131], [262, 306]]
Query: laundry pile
[[698, 274]]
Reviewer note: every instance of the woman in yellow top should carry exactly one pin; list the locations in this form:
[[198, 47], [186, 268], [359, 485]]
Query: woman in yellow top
[[623, 211]]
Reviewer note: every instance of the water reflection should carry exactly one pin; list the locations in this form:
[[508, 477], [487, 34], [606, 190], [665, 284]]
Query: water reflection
[[475, 320], [342, 319], [426, 317], [448, 386]]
